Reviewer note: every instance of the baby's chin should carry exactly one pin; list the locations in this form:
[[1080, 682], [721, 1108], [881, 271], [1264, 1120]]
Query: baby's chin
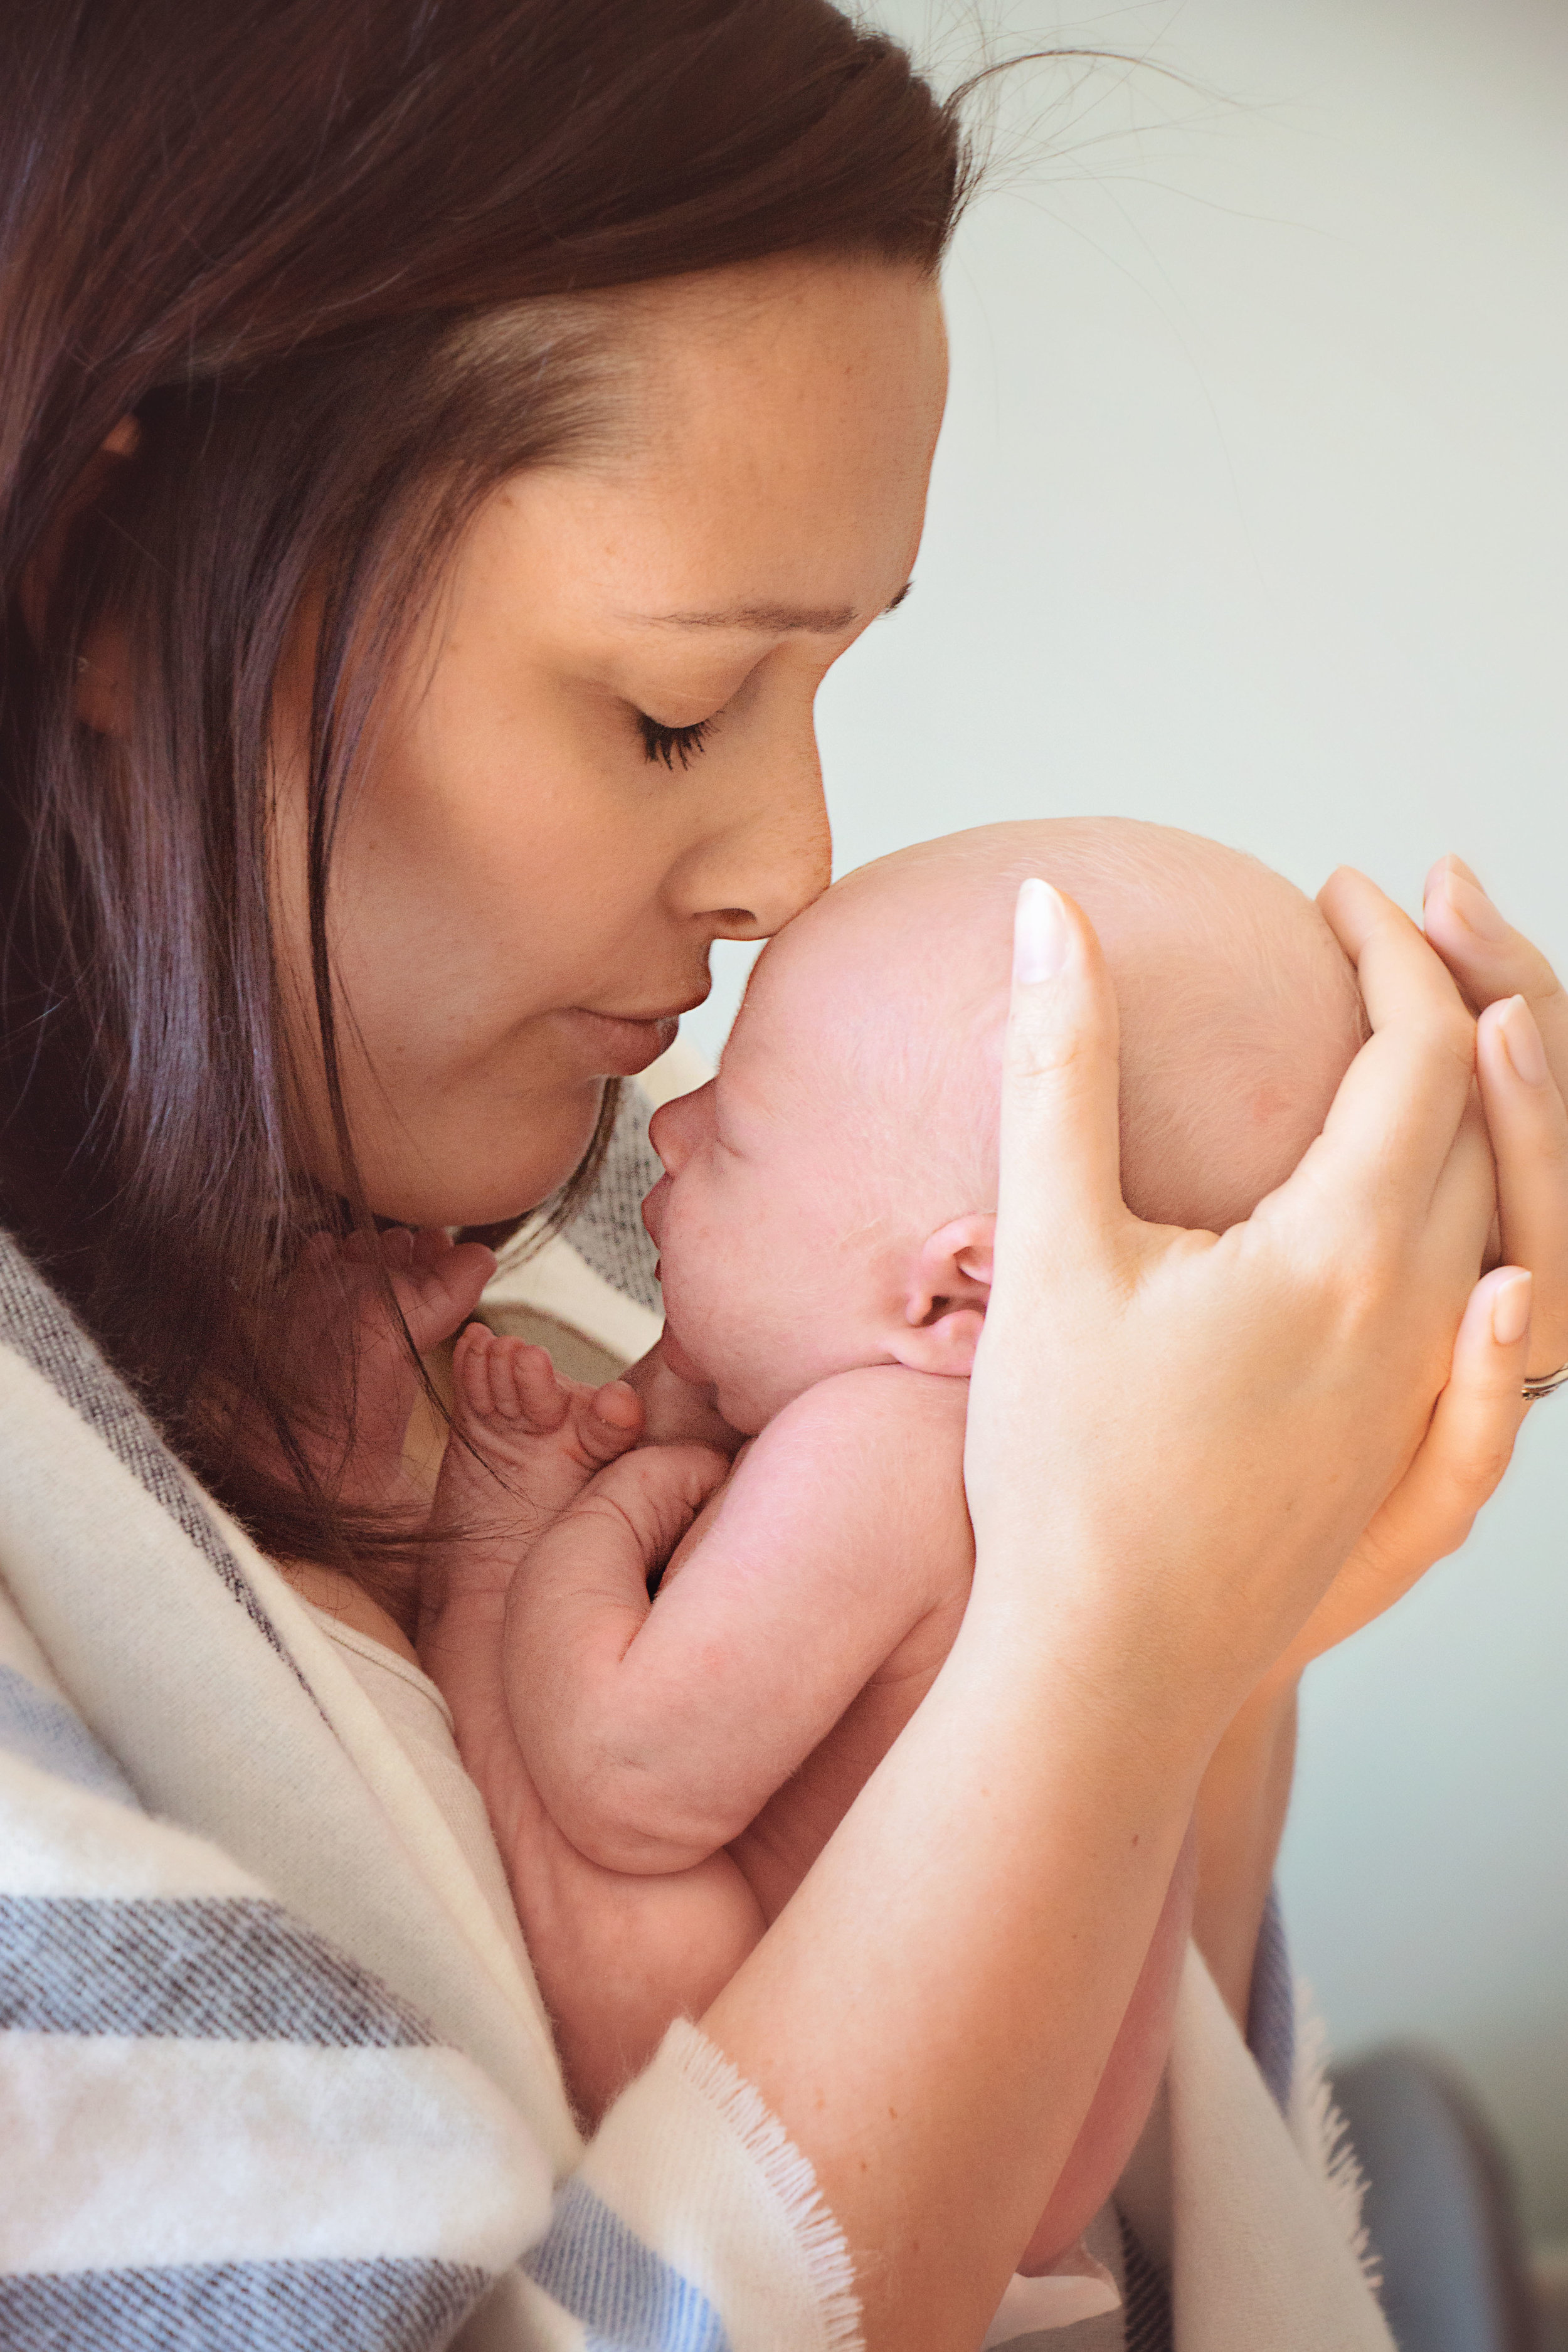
[[731, 1409], [684, 1366], [748, 1386]]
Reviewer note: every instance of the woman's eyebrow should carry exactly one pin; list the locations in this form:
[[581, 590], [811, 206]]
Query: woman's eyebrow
[[775, 620]]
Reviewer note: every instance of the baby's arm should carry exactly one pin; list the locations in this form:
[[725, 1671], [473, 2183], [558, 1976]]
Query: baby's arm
[[655, 1730]]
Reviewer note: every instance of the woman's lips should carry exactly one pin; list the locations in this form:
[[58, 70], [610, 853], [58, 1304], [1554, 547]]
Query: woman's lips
[[617, 1046]]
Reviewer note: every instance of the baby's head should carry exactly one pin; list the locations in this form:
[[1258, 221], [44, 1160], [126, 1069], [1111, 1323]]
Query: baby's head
[[829, 1199]]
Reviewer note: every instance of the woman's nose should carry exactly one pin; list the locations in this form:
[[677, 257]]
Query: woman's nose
[[773, 856]]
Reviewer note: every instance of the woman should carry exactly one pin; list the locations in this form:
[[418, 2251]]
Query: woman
[[444, 447]]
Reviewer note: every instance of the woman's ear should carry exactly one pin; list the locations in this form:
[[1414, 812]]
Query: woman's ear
[[944, 1310], [103, 682]]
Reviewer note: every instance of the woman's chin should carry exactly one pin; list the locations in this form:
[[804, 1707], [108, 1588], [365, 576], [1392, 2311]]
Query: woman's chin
[[490, 1186]]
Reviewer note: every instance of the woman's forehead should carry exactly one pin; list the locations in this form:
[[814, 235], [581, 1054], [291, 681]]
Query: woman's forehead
[[835, 388]]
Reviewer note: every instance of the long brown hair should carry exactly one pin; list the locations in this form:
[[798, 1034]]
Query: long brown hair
[[308, 246]]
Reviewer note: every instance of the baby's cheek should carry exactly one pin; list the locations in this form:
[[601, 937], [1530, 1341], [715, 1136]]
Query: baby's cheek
[[705, 1281]]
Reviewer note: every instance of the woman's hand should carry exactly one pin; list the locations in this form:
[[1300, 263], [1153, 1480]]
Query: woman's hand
[[1516, 1325], [1522, 1064], [1246, 1788], [1506, 1336], [1235, 1410]]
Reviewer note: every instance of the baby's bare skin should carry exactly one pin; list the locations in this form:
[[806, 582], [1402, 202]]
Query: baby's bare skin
[[663, 1820]]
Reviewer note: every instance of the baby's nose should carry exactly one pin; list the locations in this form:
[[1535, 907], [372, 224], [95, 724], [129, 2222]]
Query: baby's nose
[[677, 1126], [653, 1209], [662, 1133]]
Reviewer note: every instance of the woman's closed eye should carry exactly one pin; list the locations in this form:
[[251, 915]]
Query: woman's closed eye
[[672, 743]]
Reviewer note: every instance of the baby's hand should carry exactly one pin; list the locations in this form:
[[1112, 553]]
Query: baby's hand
[[525, 1441]]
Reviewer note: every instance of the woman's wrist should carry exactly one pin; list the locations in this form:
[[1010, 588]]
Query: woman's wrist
[[1135, 1661], [1240, 1816]]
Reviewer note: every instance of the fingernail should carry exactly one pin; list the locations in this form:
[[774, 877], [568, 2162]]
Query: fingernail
[[1474, 908], [1511, 1309], [1522, 1043], [1041, 938], [1449, 865]]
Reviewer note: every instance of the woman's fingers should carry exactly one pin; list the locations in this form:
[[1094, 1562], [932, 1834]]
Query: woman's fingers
[[1394, 1122], [1470, 1440], [1467, 1446], [1522, 1065], [1490, 960], [1060, 1183], [1529, 1127]]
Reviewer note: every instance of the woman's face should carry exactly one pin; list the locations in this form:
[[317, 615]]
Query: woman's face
[[526, 889]]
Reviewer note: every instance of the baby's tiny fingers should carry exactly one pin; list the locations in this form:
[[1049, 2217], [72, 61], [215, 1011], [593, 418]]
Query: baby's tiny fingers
[[490, 1373], [613, 1422]]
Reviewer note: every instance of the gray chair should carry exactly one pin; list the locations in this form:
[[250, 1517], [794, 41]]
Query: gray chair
[[1440, 2207]]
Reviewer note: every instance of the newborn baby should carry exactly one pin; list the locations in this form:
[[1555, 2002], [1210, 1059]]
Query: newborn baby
[[824, 1226]]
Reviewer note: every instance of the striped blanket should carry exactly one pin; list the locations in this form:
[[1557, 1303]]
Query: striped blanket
[[270, 2073]]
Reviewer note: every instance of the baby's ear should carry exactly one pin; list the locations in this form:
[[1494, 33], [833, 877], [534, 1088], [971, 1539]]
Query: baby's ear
[[945, 1308]]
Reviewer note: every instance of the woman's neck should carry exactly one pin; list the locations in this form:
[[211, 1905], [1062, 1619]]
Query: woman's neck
[[391, 1618]]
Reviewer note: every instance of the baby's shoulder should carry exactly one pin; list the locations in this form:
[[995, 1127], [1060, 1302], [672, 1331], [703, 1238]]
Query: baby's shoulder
[[880, 1422], [862, 1476]]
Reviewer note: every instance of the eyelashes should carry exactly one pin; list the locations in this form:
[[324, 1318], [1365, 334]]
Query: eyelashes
[[672, 743]]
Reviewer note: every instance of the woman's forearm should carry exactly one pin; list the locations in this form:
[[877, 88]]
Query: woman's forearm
[[932, 2012], [1241, 1810]]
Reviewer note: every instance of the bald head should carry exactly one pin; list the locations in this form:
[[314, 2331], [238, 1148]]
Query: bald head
[[1239, 1013]]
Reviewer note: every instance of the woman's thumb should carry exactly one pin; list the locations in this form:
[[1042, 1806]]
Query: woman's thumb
[[1060, 1184]]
